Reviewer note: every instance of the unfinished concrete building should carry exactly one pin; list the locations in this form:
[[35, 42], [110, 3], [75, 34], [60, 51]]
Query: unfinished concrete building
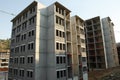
[[100, 43], [41, 44], [79, 48]]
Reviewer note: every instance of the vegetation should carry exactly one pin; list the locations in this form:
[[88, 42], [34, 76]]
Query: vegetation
[[4, 44]]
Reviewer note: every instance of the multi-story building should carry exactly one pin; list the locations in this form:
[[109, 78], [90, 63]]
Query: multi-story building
[[100, 43], [79, 47], [4, 58], [118, 50], [41, 44], [110, 44]]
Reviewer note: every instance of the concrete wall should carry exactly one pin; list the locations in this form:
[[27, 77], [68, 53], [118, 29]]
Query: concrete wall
[[51, 61], [109, 42], [40, 56]]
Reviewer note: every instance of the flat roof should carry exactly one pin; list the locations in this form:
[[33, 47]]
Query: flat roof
[[58, 4], [23, 11], [97, 17], [79, 18]]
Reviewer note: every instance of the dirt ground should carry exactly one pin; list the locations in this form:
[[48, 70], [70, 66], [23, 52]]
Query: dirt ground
[[101, 74]]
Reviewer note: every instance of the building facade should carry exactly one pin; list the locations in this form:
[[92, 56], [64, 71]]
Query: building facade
[[41, 44], [4, 58], [100, 43], [110, 44], [79, 47]]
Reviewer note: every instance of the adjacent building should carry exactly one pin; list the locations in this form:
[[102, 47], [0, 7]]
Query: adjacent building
[[79, 47], [100, 43], [4, 58], [118, 50], [110, 44], [42, 45]]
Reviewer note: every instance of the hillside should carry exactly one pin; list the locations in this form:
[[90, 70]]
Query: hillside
[[4, 44]]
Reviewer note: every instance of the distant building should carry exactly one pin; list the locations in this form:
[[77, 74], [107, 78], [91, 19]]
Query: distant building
[[41, 45], [4, 58], [118, 50], [100, 43]]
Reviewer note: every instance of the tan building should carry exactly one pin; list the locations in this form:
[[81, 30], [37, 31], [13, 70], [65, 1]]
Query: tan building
[[41, 44], [79, 47], [100, 42], [4, 58]]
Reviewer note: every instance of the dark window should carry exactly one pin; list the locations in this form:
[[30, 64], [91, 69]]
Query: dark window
[[63, 46], [29, 34], [31, 59], [61, 73], [15, 60], [57, 46], [21, 73], [60, 46], [30, 74], [57, 60], [63, 34], [24, 25], [22, 60], [60, 34], [32, 45], [32, 20], [28, 46], [58, 74], [28, 59], [64, 73], [32, 32], [57, 33], [4, 64], [61, 59], [57, 19], [14, 31], [23, 47], [18, 38], [24, 36]]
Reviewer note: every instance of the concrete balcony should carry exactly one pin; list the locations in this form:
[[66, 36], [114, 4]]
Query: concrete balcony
[[60, 15]]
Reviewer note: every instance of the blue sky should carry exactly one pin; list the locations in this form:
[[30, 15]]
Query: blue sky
[[84, 8]]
